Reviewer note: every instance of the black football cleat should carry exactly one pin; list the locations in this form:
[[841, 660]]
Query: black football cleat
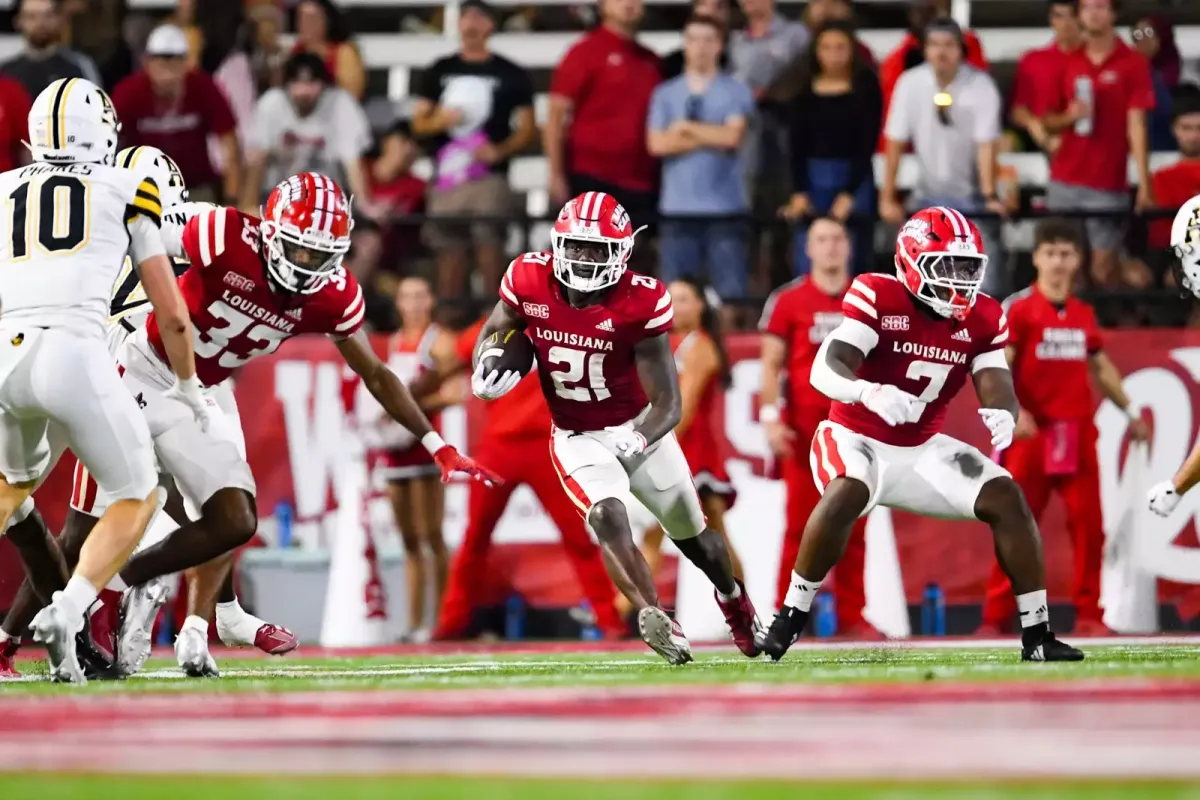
[[96, 664], [1049, 648], [789, 623]]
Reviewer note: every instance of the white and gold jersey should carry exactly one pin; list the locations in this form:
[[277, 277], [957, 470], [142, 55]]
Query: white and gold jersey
[[130, 306], [65, 231]]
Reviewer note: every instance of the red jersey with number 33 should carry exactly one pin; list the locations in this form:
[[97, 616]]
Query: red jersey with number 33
[[926, 356], [585, 355], [236, 314]]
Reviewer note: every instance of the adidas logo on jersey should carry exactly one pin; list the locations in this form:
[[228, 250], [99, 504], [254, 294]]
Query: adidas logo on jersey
[[294, 313], [605, 326], [962, 336]]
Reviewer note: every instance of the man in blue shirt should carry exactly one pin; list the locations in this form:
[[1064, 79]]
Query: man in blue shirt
[[697, 122]]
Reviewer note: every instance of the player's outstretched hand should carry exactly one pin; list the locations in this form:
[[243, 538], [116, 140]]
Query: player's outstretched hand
[[497, 384], [1001, 423], [1163, 498], [451, 461], [892, 405], [624, 442], [191, 393]]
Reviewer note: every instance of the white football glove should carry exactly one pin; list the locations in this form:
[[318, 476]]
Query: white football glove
[[191, 393], [493, 385], [1163, 498], [891, 404], [624, 442], [1001, 423]]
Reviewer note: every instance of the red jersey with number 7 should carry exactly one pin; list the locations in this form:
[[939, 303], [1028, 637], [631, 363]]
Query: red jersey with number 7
[[910, 348], [585, 356], [236, 314]]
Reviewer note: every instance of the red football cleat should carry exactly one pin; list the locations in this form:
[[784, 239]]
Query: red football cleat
[[106, 623], [8, 654], [743, 622], [274, 640]]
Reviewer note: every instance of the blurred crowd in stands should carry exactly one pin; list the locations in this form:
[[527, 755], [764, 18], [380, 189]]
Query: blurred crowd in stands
[[727, 149]]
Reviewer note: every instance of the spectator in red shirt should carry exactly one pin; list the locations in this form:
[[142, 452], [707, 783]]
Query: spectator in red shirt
[[1180, 182], [603, 87], [14, 123], [911, 50], [1099, 131], [1040, 70], [1055, 350], [168, 106]]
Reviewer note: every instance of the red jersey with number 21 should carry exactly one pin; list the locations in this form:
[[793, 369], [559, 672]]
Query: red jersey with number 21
[[585, 355], [926, 356], [236, 314]]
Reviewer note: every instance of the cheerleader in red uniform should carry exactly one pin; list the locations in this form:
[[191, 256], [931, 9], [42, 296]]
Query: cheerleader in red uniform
[[414, 484], [703, 373]]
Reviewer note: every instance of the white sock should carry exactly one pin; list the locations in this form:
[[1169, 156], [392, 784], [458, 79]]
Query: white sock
[[196, 623], [116, 584], [1033, 608], [734, 595], [76, 599], [234, 620], [801, 593], [4, 637]]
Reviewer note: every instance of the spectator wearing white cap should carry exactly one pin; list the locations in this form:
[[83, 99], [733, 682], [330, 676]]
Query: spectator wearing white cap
[[176, 109]]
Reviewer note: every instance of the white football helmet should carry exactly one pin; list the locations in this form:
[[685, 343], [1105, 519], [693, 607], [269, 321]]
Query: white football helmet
[[162, 168], [73, 121], [1185, 241]]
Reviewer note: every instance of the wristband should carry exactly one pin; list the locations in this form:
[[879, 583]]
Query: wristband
[[768, 414], [1132, 415], [190, 385], [433, 442]]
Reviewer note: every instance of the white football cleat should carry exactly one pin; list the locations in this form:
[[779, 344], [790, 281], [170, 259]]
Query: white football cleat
[[664, 635], [191, 652], [52, 628], [139, 609]]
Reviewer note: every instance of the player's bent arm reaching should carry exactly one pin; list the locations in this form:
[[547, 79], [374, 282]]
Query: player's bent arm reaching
[[398, 402], [660, 380], [489, 384]]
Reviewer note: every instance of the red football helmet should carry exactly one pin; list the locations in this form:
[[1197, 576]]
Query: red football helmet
[[940, 258], [591, 241], [306, 226]]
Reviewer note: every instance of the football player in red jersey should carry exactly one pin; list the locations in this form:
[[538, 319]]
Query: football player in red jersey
[[604, 360], [904, 349], [1054, 349], [252, 285]]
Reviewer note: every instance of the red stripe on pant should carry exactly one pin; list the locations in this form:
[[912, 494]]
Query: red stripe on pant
[[1080, 493], [802, 497], [83, 489], [521, 461]]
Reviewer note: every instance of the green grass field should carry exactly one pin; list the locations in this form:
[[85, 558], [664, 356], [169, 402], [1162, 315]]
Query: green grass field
[[914, 672], [885, 663]]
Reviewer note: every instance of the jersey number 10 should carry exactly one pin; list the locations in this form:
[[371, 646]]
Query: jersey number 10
[[53, 212]]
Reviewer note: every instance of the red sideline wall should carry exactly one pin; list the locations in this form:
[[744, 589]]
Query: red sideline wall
[[294, 423]]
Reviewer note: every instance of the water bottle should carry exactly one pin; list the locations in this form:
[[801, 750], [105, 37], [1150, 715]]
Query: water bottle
[[933, 611], [826, 614], [588, 631], [514, 617], [1084, 94], [283, 523]]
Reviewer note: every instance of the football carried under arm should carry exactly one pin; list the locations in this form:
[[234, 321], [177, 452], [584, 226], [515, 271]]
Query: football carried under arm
[[660, 380], [488, 382], [399, 404]]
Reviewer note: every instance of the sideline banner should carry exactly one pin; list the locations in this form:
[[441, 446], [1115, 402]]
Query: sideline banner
[[299, 439]]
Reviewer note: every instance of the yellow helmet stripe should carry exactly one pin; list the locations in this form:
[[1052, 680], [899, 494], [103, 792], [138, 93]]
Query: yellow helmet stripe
[[131, 157], [58, 114]]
